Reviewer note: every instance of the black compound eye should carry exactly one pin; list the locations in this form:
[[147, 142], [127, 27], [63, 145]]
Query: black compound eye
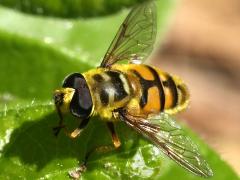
[[73, 81], [81, 104]]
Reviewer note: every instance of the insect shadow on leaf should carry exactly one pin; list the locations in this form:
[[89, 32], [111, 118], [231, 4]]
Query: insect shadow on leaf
[[35, 144]]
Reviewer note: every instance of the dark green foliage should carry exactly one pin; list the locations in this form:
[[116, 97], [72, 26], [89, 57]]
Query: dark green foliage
[[69, 9]]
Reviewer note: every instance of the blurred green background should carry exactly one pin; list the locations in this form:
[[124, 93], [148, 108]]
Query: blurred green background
[[42, 42]]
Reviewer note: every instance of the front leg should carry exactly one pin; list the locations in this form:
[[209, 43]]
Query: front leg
[[57, 129], [76, 132]]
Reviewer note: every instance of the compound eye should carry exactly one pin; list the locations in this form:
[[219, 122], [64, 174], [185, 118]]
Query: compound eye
[[81, 104], [73, 81]]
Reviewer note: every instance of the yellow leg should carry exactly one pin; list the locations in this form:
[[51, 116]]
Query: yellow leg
[[75, 133], [115, 139]]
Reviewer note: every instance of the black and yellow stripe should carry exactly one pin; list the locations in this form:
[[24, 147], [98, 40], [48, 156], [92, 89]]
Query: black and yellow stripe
[[112, 87], [159, 90], [147, 84], [170, 85]]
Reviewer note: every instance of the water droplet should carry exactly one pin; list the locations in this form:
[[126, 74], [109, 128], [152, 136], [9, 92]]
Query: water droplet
[[107, 165], [155, 151], [60, 165], [47, 176], [33, 101]]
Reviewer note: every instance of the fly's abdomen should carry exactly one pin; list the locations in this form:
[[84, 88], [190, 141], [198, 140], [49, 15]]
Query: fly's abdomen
[[159, 91], [176, 93]]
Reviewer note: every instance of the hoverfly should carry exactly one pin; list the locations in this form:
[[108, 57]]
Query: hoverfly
[[142, 96]]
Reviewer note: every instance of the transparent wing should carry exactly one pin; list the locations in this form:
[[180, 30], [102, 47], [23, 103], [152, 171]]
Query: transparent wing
[[166, 134], [135, 37]]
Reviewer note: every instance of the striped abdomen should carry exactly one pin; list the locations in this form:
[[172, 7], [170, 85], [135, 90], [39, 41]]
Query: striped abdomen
[[159, 91]]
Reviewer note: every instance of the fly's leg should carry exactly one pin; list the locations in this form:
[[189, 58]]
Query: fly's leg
[[56, 130], [100, 149], [105, 148], [115, 139], [76, 132]]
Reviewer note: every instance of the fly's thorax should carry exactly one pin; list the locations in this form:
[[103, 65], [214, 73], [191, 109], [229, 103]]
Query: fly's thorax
[[110, 90]]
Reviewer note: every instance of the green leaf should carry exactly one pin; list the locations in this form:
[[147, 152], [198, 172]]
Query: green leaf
[[36, 53], [30, 150]]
